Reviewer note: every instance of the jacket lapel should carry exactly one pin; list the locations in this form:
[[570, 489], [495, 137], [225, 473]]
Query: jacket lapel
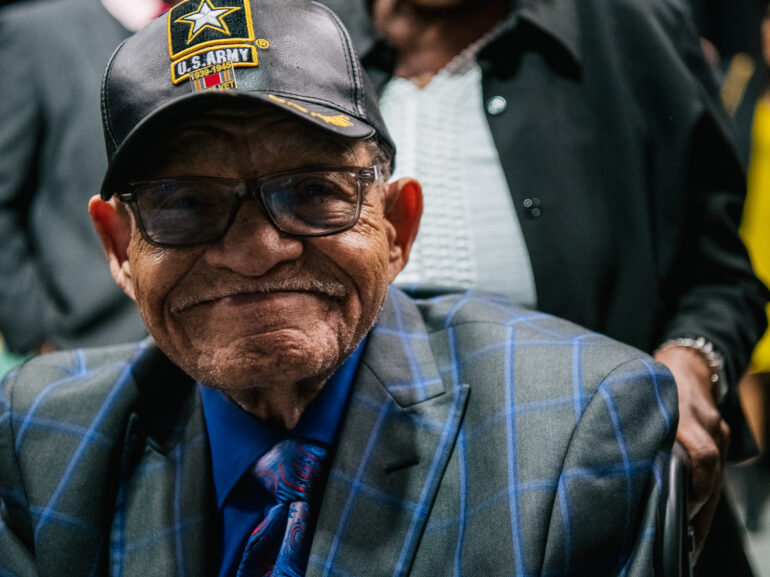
[[395, 441], [165, 504]]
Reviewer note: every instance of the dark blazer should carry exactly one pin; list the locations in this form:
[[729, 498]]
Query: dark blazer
[[54, 284], [479, 439], [614, 131]]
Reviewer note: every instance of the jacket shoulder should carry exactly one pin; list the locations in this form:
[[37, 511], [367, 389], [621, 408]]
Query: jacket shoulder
[[461, 311], [649, 10], [545, 350], [71, 382], [63, 421], [664, 29]]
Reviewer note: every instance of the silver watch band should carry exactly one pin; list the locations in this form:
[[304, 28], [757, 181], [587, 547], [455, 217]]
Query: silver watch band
[[713, 359]]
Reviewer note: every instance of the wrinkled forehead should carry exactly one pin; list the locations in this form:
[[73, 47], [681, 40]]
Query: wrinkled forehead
[[251, 140]]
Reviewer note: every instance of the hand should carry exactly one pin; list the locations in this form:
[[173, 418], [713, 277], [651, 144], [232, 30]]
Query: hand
[[704, 434]]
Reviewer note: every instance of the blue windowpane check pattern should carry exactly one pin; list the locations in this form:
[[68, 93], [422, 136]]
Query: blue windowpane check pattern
[[478, 439], [279, 545]]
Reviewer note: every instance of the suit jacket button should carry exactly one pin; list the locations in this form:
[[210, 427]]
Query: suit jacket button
[[532, 206], [496, 105]]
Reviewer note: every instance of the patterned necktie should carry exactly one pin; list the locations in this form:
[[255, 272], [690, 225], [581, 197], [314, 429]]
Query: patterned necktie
[[279, 546]]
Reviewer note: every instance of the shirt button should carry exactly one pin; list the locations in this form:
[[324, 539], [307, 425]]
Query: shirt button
[[496, 105], [532, 206]]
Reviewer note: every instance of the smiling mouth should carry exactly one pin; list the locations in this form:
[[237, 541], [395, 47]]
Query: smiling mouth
[[263, 292]]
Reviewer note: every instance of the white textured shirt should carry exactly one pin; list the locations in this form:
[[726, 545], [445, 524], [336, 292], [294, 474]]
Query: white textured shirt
[[470, 234]]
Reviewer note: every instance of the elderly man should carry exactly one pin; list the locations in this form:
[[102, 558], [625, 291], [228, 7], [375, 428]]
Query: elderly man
[[292, 414]]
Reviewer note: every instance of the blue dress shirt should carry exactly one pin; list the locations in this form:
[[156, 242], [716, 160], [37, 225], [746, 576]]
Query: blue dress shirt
[[237, 440]]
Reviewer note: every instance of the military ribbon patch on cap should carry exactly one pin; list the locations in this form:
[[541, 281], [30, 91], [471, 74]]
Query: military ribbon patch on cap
[[207, 33], [217, 77]]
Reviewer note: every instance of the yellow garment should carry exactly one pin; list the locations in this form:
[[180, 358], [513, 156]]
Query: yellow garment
[[755, 226]]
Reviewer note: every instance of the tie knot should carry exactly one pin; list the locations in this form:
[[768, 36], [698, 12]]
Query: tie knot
[[289, 469]]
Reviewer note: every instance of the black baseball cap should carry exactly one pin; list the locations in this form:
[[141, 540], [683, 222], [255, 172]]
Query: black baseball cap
[[207, 54]]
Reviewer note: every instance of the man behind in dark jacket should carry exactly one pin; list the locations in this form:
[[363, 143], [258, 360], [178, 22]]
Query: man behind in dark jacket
[[621, 182]]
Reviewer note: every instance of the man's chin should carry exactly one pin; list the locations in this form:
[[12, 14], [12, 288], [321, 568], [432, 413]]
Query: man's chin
[[263, 361]]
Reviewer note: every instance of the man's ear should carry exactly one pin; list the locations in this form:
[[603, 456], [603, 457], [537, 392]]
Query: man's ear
[[403, 209], [113, 226]]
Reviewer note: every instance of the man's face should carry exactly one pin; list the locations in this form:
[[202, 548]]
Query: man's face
[[260, 308]]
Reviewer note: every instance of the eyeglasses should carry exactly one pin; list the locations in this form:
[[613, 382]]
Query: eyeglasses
[[189, 211]]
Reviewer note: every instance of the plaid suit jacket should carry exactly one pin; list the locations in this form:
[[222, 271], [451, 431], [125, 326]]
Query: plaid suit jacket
[[479, 439]]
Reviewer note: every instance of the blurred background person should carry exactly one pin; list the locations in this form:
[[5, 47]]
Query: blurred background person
[[745, 90], [755, 231], [51, 162], [582, 147]]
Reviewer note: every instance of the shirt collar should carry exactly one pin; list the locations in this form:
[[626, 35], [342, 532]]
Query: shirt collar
[[556, 18], [237, 439]]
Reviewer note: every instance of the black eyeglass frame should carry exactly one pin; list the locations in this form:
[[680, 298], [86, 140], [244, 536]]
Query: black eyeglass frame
[[250, 187]]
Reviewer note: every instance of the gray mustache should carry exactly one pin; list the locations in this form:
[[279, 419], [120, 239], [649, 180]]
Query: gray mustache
[[329, 288]]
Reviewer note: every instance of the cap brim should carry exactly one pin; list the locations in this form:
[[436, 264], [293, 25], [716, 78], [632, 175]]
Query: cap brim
[[175, 112]]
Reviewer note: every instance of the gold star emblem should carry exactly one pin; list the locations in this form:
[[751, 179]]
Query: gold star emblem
[[207, 16]]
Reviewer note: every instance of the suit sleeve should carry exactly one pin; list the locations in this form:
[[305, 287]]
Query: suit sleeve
[[24, 302], [16, 557], [721, 298], [604, 518]]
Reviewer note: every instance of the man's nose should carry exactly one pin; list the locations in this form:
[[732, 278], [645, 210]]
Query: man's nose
[[253, 245]]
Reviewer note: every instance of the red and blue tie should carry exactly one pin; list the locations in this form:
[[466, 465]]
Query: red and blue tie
[[280, 544]]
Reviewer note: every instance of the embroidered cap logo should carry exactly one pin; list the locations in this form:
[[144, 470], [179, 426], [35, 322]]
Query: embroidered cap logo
[[207, 16], [205, 33]]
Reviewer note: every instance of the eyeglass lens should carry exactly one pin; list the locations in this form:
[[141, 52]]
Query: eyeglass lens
[[188, 211]]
